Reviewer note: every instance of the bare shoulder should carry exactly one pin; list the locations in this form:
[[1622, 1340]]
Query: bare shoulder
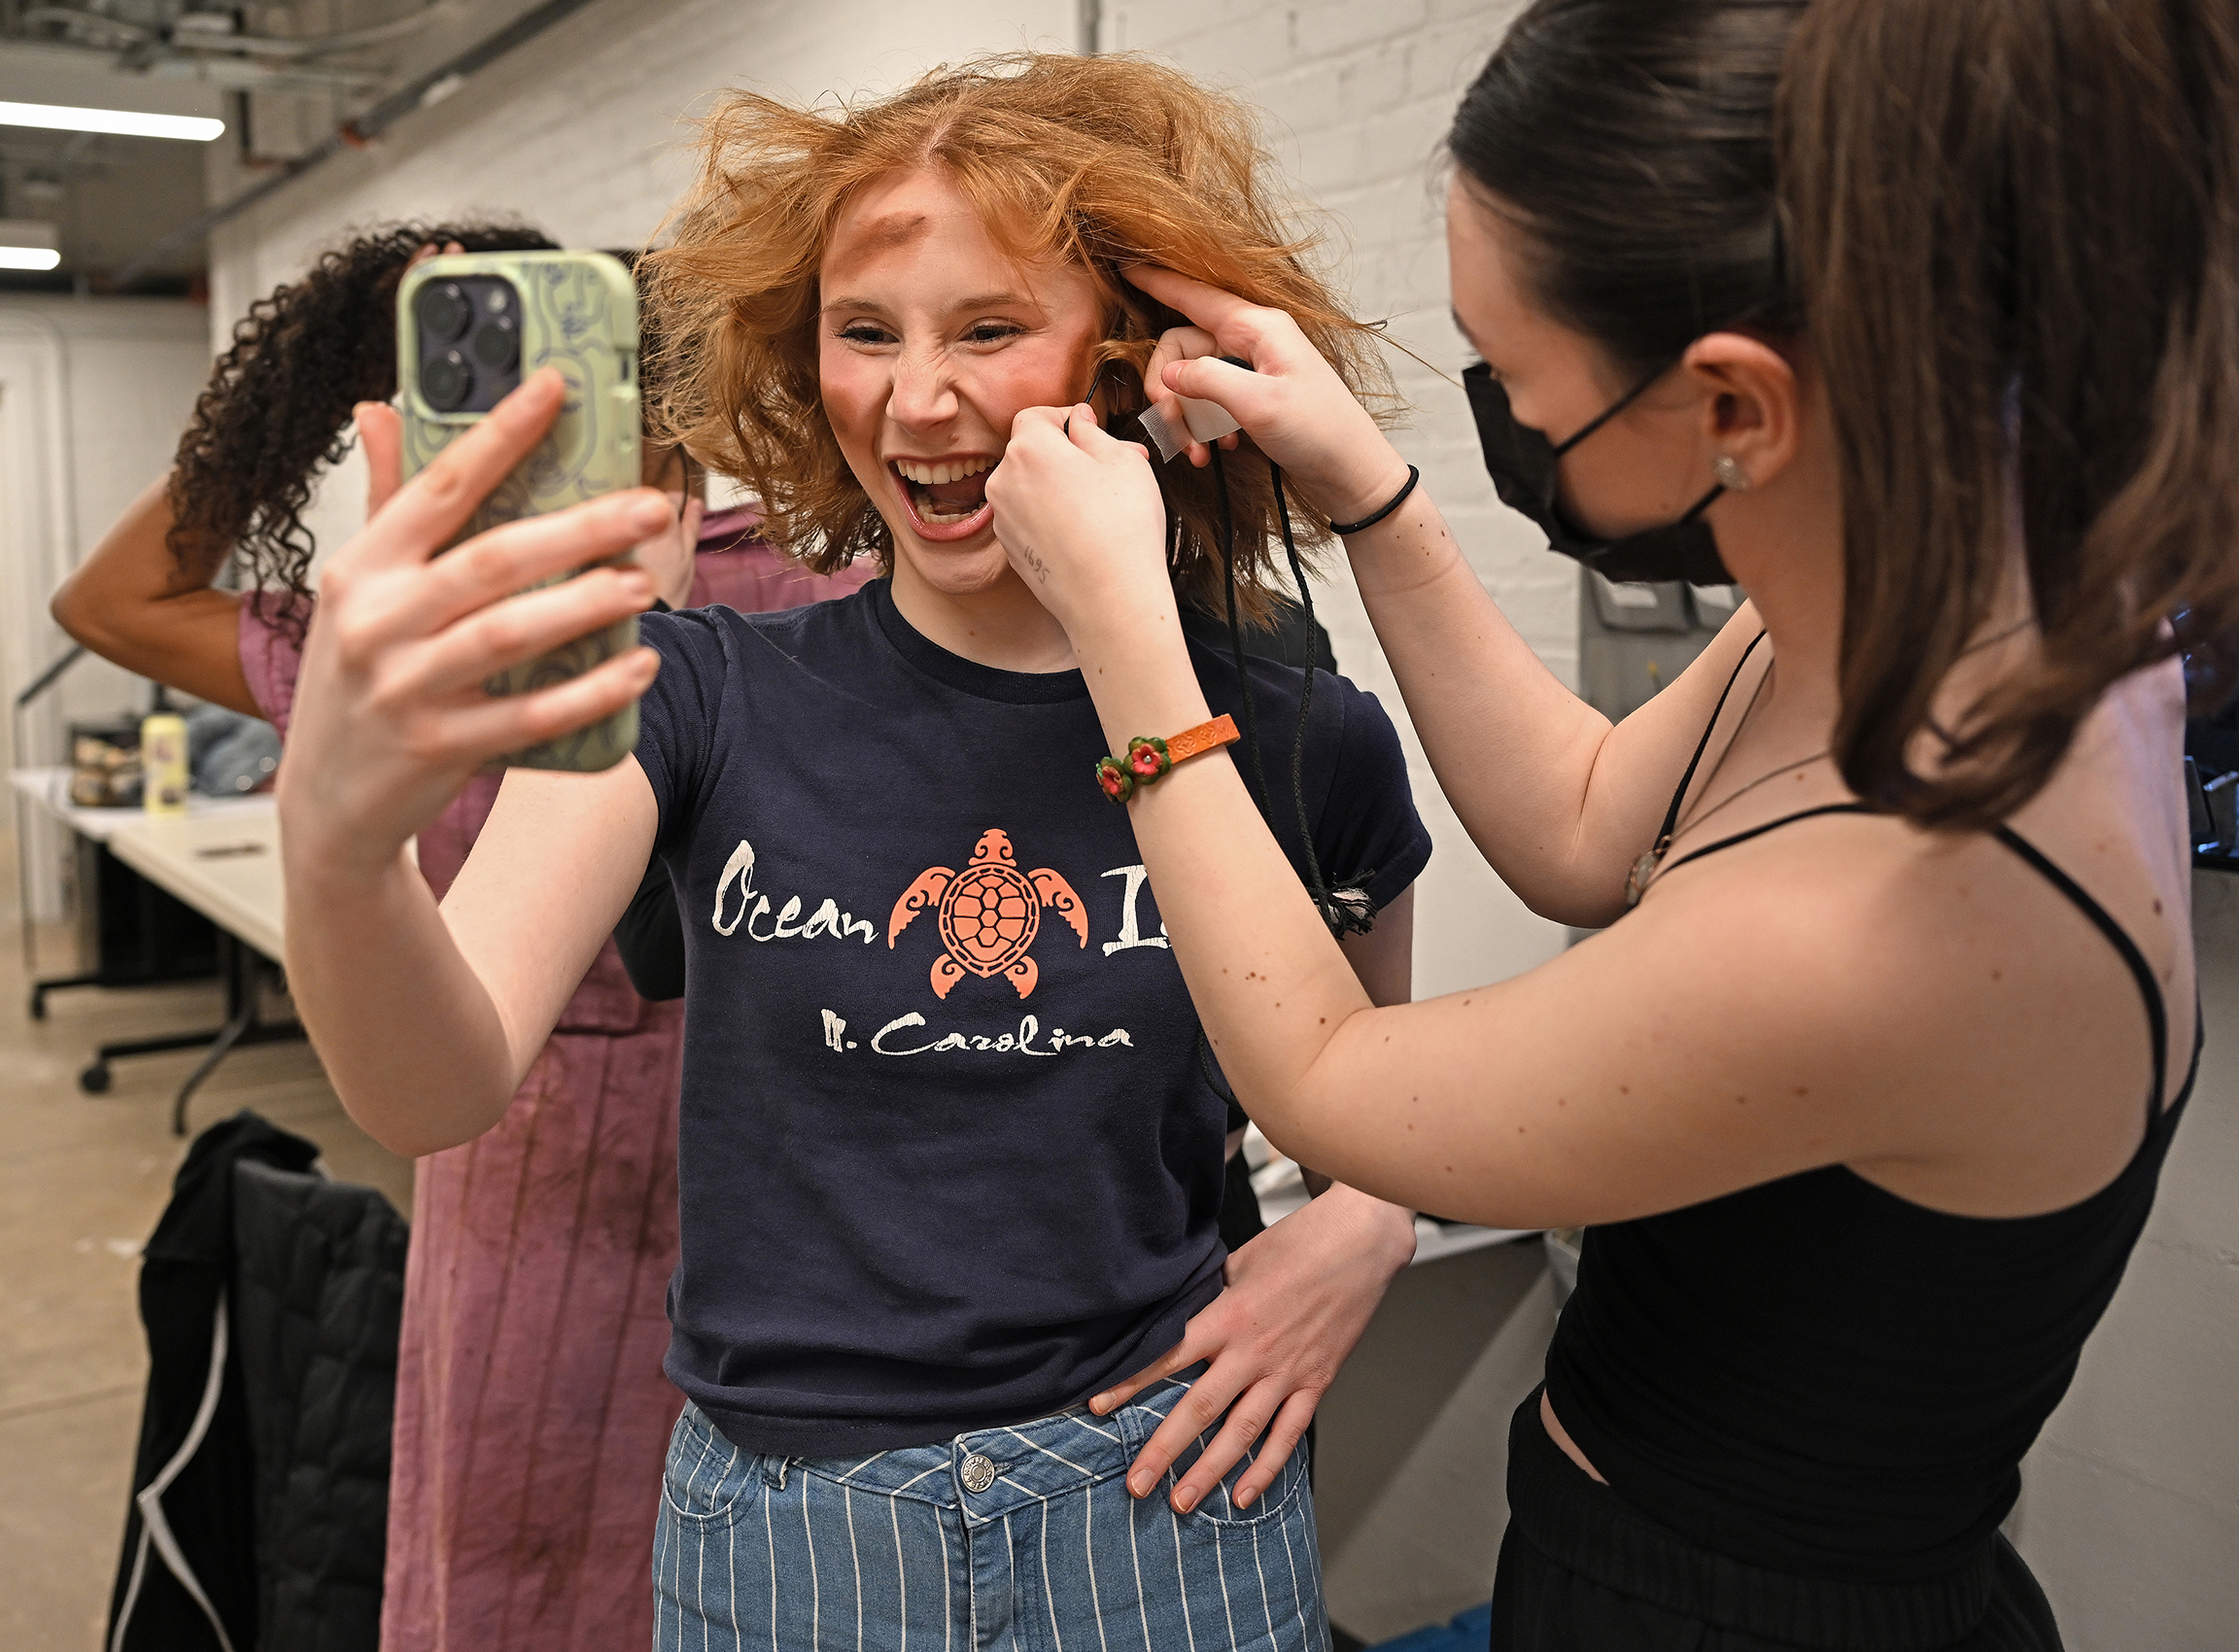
[[1977, 1041], [1754, 1018], [1931, 1010]]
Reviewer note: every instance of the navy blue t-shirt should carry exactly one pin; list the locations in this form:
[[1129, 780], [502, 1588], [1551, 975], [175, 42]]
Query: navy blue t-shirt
[[946, 1155]]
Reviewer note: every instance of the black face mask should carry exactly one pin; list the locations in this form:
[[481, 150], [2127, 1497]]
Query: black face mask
[[1523, 465]]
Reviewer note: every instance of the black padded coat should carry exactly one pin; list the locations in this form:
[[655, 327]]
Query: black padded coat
[[271, 1297]]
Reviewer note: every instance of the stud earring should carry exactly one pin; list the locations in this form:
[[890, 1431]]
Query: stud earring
[[1731, 476]]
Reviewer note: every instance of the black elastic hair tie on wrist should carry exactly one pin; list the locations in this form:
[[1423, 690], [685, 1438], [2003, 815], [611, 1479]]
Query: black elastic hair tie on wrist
[[1341, 529]]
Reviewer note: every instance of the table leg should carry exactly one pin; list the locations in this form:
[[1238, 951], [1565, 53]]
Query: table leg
[[56, 984], [243, 1026], [96, 1079]]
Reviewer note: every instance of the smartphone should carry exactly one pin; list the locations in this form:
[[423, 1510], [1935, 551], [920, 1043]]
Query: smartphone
[[470, 327]]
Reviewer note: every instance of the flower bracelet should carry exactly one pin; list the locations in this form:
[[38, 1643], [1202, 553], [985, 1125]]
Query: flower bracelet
[[1149, 757]]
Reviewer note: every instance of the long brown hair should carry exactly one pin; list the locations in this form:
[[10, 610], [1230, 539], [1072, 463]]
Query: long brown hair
[[1103, 161], [2016, 229]]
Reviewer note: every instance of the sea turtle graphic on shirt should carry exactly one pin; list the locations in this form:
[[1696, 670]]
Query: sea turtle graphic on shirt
[[989, 914]]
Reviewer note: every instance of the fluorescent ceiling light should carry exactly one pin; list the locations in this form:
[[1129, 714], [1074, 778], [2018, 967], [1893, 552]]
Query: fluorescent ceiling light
[[120, 122], [29, 258]]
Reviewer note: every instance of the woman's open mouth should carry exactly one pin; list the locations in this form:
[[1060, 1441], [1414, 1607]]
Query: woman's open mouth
[[946, 497]]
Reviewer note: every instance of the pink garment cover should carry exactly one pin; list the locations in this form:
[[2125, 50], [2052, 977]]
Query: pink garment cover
[[532, 1417]]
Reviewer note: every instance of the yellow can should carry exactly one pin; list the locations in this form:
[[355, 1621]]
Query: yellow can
[[164, 762]]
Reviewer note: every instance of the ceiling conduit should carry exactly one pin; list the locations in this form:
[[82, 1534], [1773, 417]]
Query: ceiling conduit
[[436, 84]]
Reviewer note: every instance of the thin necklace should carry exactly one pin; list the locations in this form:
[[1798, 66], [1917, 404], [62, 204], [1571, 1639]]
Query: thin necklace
[[1645, 869], [1799, 763]]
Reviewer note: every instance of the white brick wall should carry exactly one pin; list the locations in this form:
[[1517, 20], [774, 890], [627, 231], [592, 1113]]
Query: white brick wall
[[1357, 97], [93, 394]]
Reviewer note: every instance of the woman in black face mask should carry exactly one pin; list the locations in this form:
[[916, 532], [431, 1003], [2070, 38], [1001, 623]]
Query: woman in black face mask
[[1864, 1101]]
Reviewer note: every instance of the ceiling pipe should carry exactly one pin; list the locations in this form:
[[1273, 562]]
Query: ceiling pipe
[[195, 40], [70, 16], [310, 46], [231, 71], [436, 84]]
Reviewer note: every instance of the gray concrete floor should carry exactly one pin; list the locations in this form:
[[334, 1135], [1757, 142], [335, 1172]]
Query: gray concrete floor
[[83, 1180]]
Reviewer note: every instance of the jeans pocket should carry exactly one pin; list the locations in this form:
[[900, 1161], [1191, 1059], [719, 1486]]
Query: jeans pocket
[[706, 1478], [1218, 1509]]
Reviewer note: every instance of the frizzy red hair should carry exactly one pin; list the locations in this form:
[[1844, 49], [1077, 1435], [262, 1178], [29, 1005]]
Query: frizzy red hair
[[1103, 161]]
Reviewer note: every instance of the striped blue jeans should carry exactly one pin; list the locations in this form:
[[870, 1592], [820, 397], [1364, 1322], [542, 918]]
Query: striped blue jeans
[[1019, 1538]]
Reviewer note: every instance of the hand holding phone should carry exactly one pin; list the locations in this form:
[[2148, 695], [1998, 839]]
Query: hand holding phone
[[468, 328], [390, 715]]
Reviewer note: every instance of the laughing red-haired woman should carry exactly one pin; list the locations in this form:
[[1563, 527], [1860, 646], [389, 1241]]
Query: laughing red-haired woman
[[965, 1353]]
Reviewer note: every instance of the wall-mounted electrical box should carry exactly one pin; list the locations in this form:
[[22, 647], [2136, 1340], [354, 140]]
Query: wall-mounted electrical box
[[1635, 638]]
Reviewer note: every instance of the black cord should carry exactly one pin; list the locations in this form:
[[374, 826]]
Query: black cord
[[1212, 1079], [1341, 918], [1236, 638], [1314, 886]]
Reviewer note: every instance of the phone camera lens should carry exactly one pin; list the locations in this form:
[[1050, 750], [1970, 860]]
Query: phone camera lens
[[498, 344], [444, 310], [447, 381]]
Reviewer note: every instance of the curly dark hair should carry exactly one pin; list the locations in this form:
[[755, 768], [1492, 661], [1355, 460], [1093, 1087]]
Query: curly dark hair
[[277, 408]]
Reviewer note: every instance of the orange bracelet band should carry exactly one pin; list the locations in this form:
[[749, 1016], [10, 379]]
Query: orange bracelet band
[[1149, 757]]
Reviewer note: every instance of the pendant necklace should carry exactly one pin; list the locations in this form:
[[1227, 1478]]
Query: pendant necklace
[[1644, 868]]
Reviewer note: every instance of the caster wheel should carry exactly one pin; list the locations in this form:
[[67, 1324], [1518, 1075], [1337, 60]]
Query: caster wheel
[[38, 1006], [96, 1079]]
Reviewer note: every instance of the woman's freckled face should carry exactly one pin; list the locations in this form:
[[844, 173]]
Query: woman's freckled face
[[932, 338], [1644, 465]]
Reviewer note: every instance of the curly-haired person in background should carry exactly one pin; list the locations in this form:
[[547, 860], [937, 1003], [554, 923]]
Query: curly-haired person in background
[[532, 1413], [967, 1357]]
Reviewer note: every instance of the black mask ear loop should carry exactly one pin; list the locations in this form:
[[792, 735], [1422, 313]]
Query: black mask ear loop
[[1610, 412], [1613, 409]]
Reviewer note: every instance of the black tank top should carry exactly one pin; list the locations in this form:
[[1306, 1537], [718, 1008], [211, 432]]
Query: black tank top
[[1821, 1378]]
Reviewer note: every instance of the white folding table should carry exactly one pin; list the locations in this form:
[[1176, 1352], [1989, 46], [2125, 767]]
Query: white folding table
[[223, 859]]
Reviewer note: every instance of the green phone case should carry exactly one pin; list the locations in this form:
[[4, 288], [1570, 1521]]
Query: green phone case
[[580, 314]]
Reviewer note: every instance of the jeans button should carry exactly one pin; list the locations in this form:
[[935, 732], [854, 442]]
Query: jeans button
[[979, 1473]]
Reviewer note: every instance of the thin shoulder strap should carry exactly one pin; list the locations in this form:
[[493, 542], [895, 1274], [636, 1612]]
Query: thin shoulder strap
[[1672, 814], [1769, 826], [2157, 1012]]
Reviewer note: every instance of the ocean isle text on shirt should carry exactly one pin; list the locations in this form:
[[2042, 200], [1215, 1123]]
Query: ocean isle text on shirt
[[741, 909]]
